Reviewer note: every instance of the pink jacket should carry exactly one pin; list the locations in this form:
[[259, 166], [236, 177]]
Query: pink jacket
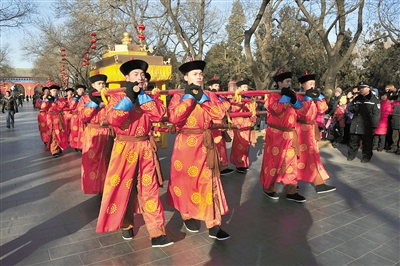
[[386, 110]]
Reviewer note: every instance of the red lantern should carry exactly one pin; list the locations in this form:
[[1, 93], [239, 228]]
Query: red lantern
[[141, 37], [93, 47], [93, 41], [86, 51], [93, 34], [141, 27], [62, 49], [63, 59]]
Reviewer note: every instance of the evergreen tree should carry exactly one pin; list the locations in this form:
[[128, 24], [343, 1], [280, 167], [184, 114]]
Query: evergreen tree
[[234, 45]]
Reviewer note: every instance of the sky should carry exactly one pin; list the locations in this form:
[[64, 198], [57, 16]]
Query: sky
[[14, 38]]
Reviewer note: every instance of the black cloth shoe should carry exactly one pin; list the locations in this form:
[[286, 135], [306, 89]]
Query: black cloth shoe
[[350, 159], [161, 241], [8, 126], [127, 234], [56, 155], [241, 170], [391, 151], [191, 225], [324, 188], [380, 150], [217, 233], [272, 195], [226, 171], [296, 197], [335, 145], [365, 160]]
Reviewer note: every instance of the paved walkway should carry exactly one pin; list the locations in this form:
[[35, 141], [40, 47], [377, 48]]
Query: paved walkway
[[47, 220]]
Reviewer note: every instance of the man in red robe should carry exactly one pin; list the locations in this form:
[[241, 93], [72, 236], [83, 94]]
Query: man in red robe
[[221, 135], [134, 177], [71, 104], [58, 138], [242, 137], [97, 139], [309, 165], [195, 188], [281, 142], [42, 115], [77, 126]]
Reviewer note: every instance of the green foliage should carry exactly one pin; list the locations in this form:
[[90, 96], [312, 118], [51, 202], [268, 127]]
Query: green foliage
[[382, 64]]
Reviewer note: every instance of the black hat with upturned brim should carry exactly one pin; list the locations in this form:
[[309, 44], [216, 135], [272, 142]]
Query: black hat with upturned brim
[[45, 88], [80, 86], [98, 77], [130, 65], [148, 76], [192, 65], [69, 89], [306, 77], [281, 76], [242, 82], [213, 81], [54, 86]]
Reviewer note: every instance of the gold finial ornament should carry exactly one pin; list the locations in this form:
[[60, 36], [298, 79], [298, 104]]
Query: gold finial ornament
[[127, 38]]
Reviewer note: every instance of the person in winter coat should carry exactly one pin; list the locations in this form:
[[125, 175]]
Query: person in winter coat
[[10, 107], [366, 110], [395, 121], [380, 132], [340, 120]]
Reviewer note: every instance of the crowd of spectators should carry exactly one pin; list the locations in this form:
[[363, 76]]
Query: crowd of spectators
[[338, 118]]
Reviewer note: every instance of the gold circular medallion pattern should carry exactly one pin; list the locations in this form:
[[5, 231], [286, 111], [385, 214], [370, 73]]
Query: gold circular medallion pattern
[[114, 180], [112, 208], [150, 206], [193, 171], [191, 141], [195, 198], [272, 172], [128, 183], [132, 156], [119, 147], [146, 180], [178, 165], [177, 191], [191, 122]]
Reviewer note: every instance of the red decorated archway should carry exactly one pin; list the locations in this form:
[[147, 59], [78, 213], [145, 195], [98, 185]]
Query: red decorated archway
[[29, 87]]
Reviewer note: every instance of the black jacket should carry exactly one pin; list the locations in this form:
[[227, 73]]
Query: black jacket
[[366, 110], [396, 115], [9, 104], [332, 106]]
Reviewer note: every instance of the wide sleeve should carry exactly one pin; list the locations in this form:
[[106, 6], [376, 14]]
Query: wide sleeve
[[71, 105], [273, 106], [88, 109], [153, 108], [212, 105], [118, 109], [180, 107]]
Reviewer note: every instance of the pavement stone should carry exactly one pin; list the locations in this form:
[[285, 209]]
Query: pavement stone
[[45, 218]]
